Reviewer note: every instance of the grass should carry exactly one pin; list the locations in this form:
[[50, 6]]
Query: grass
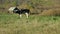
[[12, 24]]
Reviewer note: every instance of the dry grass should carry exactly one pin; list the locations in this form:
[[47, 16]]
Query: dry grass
[[50, 12]]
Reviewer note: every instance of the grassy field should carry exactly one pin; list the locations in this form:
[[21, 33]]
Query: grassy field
[[12, 24]]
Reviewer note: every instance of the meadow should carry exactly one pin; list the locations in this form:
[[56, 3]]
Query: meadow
[[35, 24]]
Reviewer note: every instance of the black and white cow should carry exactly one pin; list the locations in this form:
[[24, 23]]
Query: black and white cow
[[20, 12]]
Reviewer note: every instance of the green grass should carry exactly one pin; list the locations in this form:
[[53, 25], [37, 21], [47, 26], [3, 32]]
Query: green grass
[[12, 24]]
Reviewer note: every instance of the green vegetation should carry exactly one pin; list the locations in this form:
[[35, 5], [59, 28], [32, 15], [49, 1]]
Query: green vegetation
[[12, 24]]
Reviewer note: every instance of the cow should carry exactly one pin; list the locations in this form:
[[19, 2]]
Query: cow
[[20, 12]]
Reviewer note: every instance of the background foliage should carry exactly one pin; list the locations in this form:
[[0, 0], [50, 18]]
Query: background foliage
[[35, 6]]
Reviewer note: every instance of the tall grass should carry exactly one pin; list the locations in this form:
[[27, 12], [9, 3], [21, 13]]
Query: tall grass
[[12, 24]]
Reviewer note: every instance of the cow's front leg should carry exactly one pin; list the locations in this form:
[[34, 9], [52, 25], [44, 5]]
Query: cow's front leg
[[20, 15], [27, 15]]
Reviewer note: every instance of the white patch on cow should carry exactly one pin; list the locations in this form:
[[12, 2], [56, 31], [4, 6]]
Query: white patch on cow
[[11, 9], [27, 15]]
